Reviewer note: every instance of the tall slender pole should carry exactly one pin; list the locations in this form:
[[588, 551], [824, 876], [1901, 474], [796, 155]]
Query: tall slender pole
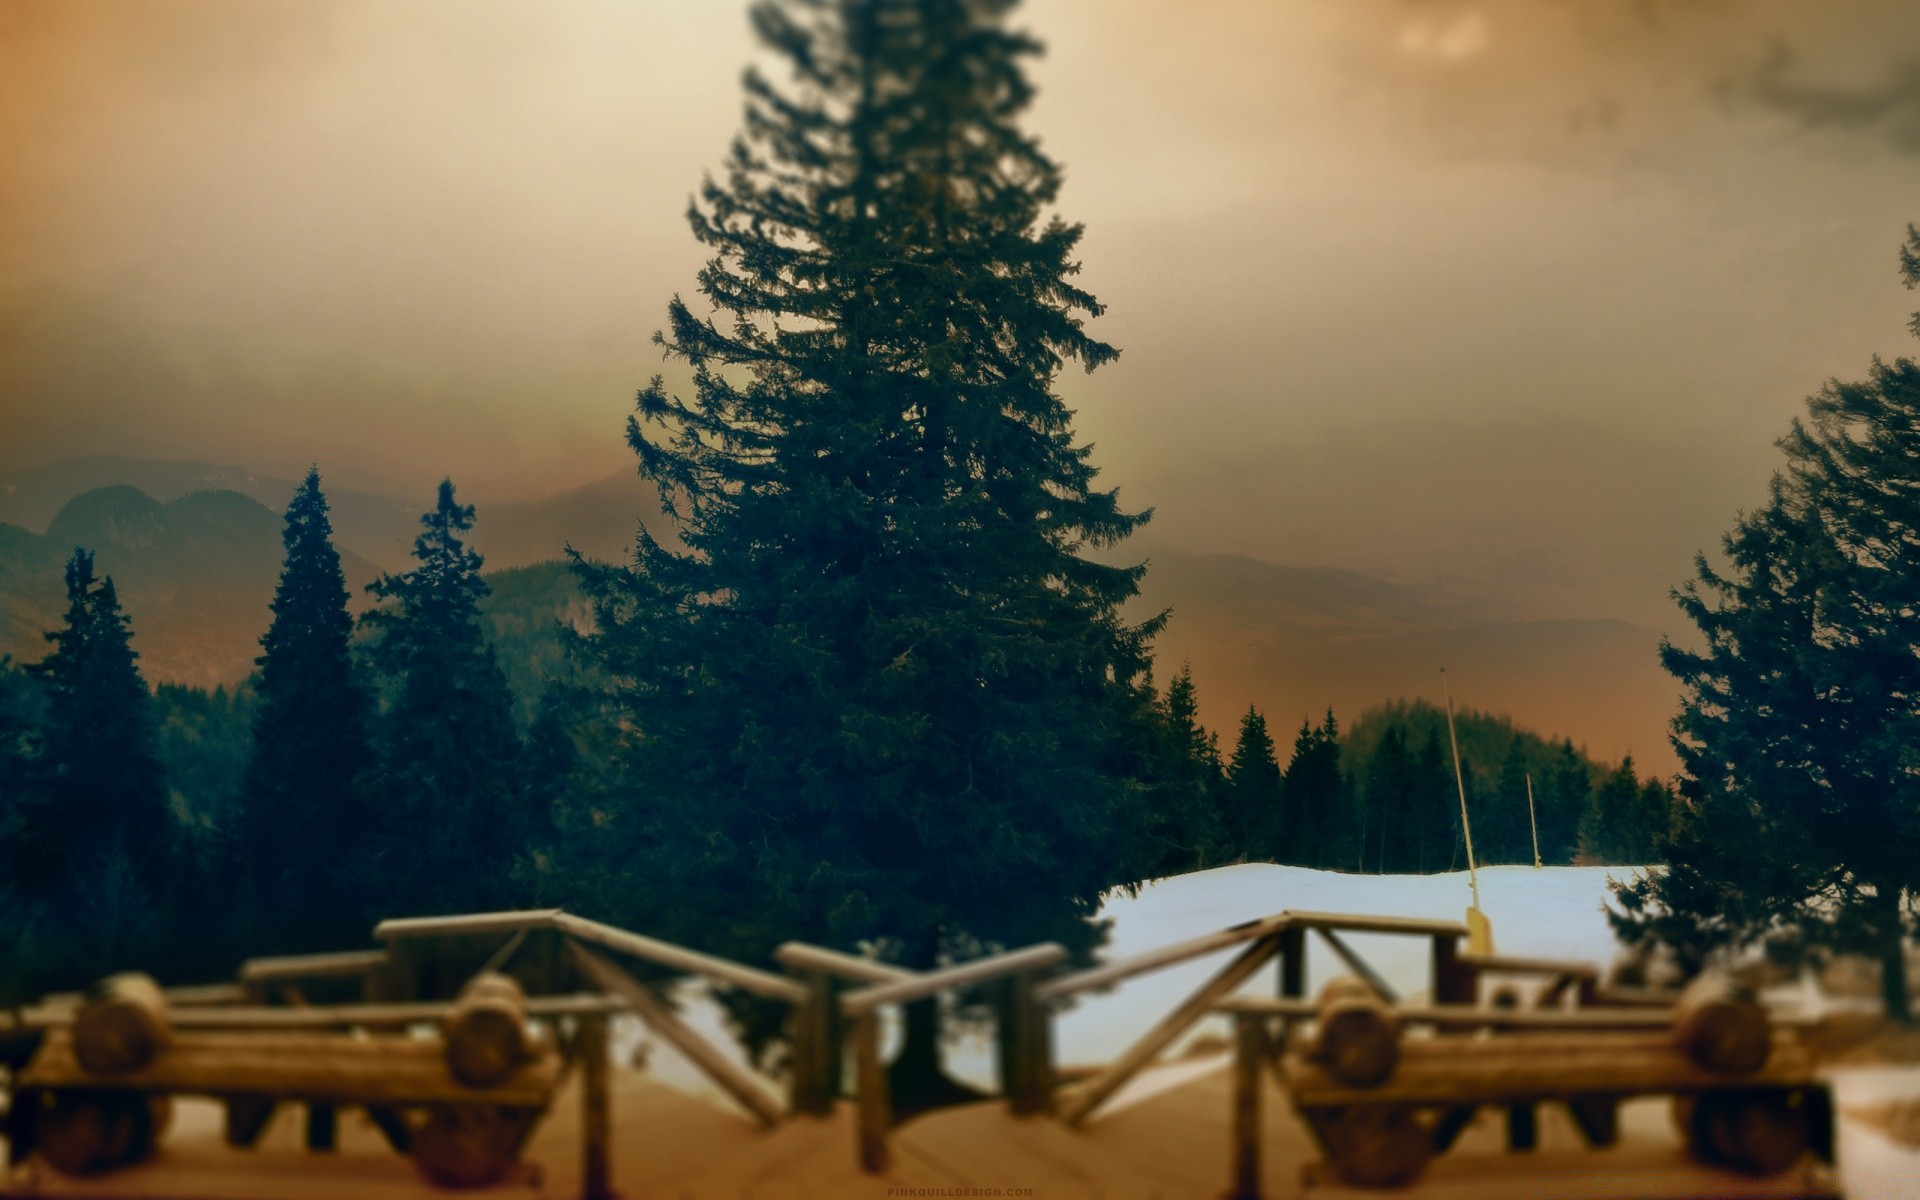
[[1532, 822], [1460, 781]]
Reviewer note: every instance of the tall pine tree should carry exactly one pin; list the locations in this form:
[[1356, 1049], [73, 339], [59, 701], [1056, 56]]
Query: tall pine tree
[[96, 837], [1800, 802], [1188, 819], [879, 693], [302, 814], [447, 796], [1254, 825]]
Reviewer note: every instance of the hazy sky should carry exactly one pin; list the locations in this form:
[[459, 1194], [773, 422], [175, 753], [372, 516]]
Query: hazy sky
[[1505, 296]]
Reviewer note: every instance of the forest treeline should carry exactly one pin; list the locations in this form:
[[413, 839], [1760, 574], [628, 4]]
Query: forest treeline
[[435, 756]]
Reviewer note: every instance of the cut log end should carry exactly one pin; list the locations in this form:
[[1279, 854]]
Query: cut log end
[[1376, 1145], [122, 1026], [1720, 1026], [86, 1133], [1357, 1037], [486, 1036], [467, 1145]]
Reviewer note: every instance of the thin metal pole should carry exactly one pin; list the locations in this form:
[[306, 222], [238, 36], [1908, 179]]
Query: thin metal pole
[[1460, 781], [1534, 823]]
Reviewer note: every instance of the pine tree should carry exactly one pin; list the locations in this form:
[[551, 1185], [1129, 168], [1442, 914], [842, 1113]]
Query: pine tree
[[448, 792], [1253, 792], [96, 838], [1388, 790], [879, 692], [302, 812], [1189, 818], [1313, 800], [1799, 805]]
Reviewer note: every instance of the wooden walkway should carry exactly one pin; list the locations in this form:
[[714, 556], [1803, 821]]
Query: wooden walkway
[[670, 1145]]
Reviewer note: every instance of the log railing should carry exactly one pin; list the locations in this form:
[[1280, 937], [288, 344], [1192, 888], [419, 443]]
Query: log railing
[[861, 1008], [1282, 936]]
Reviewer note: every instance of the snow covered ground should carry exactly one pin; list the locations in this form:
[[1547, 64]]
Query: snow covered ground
[[1553, 912]]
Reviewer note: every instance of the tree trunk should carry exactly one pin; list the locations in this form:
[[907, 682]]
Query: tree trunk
[[915, 1079], [1893, 957]]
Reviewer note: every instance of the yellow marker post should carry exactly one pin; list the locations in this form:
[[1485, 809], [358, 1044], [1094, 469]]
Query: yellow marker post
[[1479, 929]]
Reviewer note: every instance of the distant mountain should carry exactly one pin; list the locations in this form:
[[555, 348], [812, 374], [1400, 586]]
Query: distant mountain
[[598, 518], [196, 575], [1296, 641], [379, 527]]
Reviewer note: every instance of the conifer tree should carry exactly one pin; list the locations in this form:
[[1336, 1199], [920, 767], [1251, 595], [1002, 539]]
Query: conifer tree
[[1189, 818], [1389, 791], [449, 787], [879, 692], [1799, 803], [1313, 800], [302, 813], [96, 836], [1253, 792]]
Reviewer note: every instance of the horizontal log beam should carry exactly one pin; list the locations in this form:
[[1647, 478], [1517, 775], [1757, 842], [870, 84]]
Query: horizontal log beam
[[1108, 974], [312, 966], [1462, 1071], [979, 970], [493, 922], [666, 954], [803, 956], [1352, 923], [297, 1066]]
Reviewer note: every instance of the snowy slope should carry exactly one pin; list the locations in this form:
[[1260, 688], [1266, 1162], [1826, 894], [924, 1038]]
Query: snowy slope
[[1554, 912]]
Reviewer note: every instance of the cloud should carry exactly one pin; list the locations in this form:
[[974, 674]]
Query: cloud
[[1887, 106]]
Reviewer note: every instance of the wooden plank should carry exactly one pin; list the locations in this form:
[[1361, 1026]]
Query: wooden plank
[[494, 922], [338, 1016], [876, 1105], [1171, 1026], [1250, 1049], [801, 957], [1165, 956], [733, 974], [1360, 966], [979, 970], [1460, 1017], [345, 964], [1479, 1071], [595, 1121], [191, 995], [1353, 923], [1509, 964], [732, 1077], [200, 1173], [1651, 1171], [304, 1066]]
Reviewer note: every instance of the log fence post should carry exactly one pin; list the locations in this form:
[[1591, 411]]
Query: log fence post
[[591, 1045], [1250, 1050], [875, 1115], [816, 1046]]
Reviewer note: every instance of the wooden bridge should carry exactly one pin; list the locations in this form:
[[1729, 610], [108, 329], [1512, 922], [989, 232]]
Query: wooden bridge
[[477, 1047]]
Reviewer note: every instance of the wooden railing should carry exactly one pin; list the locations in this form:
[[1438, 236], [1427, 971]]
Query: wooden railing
[[862, 1007], [836, 1001]]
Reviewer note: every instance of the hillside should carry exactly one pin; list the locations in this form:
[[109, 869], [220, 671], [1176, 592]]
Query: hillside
[[196, 574], [1295, 640], [1298, 640]]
